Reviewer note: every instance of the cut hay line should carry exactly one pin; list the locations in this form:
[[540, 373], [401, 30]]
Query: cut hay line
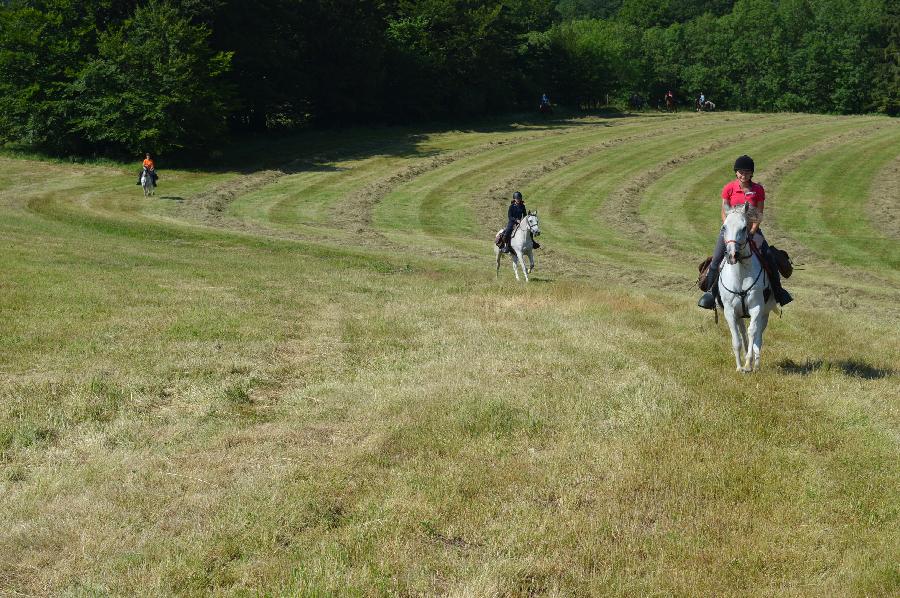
[[583, 225], [830, 190], [214, 202], [487, 204], [624, 212], [699, 203], [364, 201], [404, 209], [780, 170], [882, 201]]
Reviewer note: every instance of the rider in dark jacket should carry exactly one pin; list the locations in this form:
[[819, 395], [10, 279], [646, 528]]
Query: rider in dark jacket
[[514, 214]]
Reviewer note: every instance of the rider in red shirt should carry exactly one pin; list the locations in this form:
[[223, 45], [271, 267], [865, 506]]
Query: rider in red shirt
[[738, 192]]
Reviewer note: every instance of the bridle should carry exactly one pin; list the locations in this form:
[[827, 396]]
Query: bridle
[[739, 247], [519, 225]]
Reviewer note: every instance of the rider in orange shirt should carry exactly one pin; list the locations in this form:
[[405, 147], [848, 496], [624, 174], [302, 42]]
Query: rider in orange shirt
[[151, 168]]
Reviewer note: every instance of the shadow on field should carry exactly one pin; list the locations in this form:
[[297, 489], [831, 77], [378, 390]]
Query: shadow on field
[[849, 367], [172, 197], [313, 150]]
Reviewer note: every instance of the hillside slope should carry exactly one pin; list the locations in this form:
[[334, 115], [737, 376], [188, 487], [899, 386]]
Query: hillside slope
[[306, 379]]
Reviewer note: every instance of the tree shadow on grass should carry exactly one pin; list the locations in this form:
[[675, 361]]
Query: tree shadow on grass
[[314, 149], [171, 197], [849, 367]]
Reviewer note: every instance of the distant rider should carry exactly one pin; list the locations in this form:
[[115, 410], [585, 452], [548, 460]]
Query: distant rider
[[738, 192], [514, 215], [150, 167]]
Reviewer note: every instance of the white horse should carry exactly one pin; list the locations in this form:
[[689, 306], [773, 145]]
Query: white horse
[[521, 244], [147, 183], [742, 288]]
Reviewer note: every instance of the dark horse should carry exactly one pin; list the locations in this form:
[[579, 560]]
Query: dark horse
[[636, 102], [670, 104]]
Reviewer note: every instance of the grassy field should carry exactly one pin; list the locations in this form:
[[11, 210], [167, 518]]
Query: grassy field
[[300, 376]]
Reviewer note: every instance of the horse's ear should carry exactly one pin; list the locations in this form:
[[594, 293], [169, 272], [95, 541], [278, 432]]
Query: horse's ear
[[746, 207]]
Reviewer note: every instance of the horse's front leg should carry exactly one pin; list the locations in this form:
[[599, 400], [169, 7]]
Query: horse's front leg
[[497, 254], [745, 344], [515, 263], [737, 337], [531, 259], [524, 268], [758, 322]]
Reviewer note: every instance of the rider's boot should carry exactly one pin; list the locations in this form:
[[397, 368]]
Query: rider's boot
[[782, 297], [535, 244], [708, 300]]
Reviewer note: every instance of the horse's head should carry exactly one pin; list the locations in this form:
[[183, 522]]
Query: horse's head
[[735, 233], [531, 221]]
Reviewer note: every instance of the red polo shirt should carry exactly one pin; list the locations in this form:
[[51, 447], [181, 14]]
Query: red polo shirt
[[733, 194]]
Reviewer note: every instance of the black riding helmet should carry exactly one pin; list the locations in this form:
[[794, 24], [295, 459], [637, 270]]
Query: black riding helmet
[[744, 162], [517, 195]]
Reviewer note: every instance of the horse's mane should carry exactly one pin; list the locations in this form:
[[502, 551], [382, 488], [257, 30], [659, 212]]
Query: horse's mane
[[753, 214]]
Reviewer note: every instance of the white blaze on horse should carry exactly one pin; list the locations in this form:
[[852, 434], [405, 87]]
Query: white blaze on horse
[[147, 182], [743, 289], [521, 243]]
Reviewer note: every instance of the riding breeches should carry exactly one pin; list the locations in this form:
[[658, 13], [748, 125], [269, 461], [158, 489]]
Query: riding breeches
[[509, 227]]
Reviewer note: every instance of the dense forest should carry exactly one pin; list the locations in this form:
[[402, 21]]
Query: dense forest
[[120, 76]]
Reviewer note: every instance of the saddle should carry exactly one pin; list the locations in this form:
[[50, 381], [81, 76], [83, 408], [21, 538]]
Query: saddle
[[503, 242]]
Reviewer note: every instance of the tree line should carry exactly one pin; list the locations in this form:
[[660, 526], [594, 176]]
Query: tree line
[[121, 76]]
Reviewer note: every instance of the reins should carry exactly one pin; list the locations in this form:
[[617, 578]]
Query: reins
[[743, 293], [519, 225]]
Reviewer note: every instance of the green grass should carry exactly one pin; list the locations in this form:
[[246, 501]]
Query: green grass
[[307, 381]]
